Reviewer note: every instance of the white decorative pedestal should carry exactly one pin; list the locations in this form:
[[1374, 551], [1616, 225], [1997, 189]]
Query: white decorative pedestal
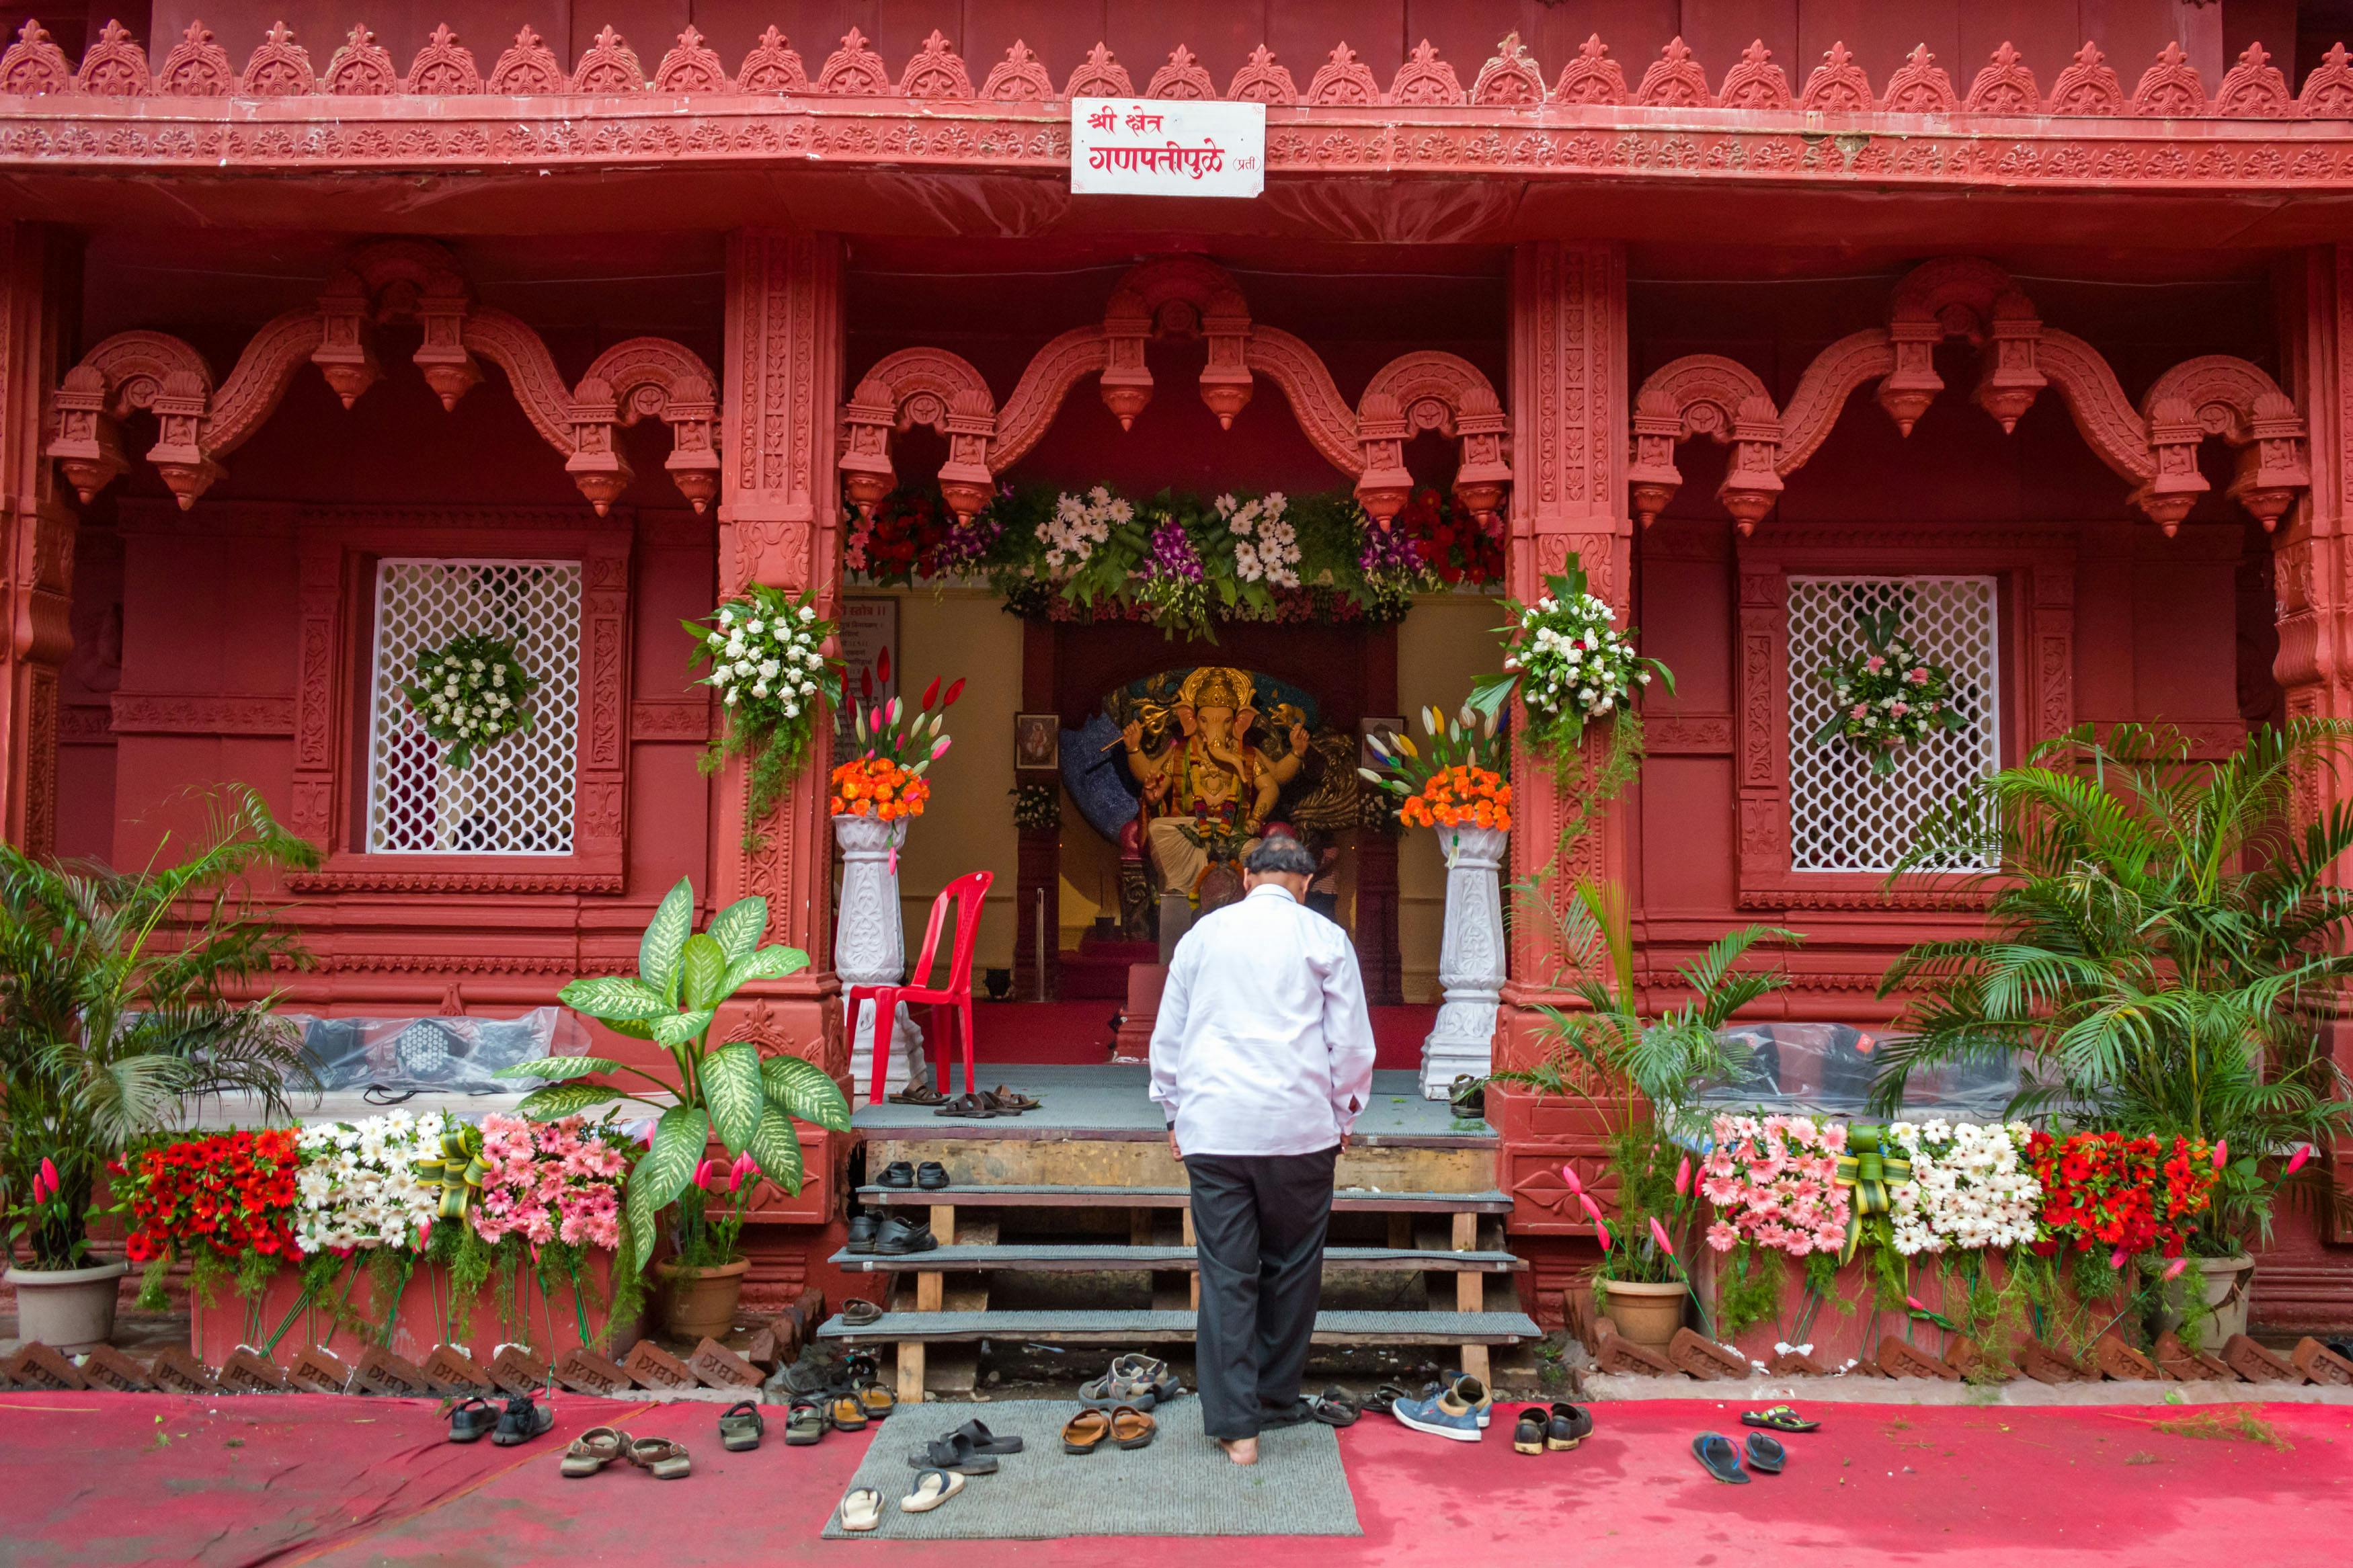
[[1470, 961], [870, 947]]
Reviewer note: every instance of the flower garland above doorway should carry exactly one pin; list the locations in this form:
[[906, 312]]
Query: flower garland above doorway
[[1181, 563], [469, 694]]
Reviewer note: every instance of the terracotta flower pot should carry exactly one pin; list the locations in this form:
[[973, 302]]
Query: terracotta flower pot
[[68, 1309], [697, 1304], [1647, 1314]]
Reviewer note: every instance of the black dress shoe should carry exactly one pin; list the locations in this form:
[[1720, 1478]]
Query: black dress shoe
[[898, 1237], [897, 1173], [931, 1175], [861, 1233]]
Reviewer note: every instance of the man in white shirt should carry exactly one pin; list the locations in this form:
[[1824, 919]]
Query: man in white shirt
[[1262, 1058]]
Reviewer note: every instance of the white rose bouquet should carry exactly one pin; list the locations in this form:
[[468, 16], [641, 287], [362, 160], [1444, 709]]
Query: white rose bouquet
[[769, 664], [358, 1186], [1570, 665], [469, 693], [1972, 1186]]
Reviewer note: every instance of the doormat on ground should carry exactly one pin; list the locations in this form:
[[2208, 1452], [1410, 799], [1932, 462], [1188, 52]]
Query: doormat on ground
[[1182, 1485]]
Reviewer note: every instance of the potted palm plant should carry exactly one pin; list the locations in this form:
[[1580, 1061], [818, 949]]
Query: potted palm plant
[[2164, 947], [123, 996], [749, 1103], [1643, 1068]]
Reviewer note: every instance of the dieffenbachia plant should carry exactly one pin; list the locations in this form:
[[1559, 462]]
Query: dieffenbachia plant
[[750, 1103]]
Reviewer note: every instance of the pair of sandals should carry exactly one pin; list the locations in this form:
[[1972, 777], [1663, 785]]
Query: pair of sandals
[[1122, 1426], [600, 1445], [1550, 1429], [861, 1510], [472, 1418], [1719, 1458], [987, 1104], [972, 1450], [930, 1176], [1135, 1380]]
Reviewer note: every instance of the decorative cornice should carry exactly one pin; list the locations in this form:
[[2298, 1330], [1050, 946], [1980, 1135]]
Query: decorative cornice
[[462, 963], [185, 713], [372, 879], [112, 116], [85, 724]]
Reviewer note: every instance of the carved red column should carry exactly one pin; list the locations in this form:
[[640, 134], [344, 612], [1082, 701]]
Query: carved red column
[[779, 516], [1569, 435], [37, 533], [2310, 563]]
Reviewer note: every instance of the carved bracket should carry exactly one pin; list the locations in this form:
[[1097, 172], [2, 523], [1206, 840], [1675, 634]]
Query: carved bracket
[[408, 281], [2154, 448], [1177, 297]]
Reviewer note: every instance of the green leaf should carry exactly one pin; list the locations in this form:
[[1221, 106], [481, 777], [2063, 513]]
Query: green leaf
[[776, 1149], [701, 971], [737, 928], [681, 1029], [665, 938], [614, 998], [558, 1101], [555, 1070], [801, 1089], [732, 1087], [680, 1139], [768, 964]]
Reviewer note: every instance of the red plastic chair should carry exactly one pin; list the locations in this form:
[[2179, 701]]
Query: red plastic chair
[[967, 891]]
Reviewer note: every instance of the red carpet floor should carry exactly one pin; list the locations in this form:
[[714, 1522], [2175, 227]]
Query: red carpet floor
[[1073, 1033], [117, 1479]]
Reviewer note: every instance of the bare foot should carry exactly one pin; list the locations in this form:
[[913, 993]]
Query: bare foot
[[1241, 1450]]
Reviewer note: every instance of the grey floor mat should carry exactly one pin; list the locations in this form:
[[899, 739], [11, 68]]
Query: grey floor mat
[[1181, 1485]]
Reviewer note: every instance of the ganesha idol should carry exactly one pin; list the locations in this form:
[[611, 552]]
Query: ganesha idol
[[1207, 784]]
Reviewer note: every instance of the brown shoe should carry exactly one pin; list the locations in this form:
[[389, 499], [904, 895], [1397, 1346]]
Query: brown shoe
[[1132, 1429], [1085, 1432]]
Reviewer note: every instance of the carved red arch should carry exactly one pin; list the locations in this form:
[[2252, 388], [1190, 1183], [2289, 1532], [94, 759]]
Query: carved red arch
[[385, 280], [2153, 446], [919, 386]]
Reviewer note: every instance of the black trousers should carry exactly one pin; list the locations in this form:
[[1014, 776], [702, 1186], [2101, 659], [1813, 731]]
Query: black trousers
[[1258, 1223]]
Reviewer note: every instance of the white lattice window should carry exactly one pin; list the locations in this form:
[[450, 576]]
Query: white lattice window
[[1843, 816], [517, 797]]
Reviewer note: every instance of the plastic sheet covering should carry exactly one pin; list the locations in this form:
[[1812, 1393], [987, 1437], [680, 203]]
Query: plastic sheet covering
[[433, 1054], [1826, 1069]]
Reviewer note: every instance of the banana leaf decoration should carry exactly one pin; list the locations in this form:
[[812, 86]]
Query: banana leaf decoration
[[459, 1172], [1872, 1172]]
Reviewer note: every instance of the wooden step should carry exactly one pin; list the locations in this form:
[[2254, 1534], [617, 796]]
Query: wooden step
[[1110, 1258], [1348, 1200], [1127, 1327], [1077, 1159]]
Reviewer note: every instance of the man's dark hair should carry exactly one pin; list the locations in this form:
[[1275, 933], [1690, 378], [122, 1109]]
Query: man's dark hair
[[1285, 856]]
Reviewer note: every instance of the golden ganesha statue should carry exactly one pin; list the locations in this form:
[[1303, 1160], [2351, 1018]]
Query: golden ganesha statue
[[1206, 787]]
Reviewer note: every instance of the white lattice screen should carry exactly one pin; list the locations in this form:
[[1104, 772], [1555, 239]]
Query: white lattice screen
[[1843, 816], [517, 797]]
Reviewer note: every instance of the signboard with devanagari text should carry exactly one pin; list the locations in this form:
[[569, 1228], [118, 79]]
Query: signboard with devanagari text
[[1166, 147]]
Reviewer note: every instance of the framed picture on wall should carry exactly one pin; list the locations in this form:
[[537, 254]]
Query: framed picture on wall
[[1365, 729], [1037, 742]]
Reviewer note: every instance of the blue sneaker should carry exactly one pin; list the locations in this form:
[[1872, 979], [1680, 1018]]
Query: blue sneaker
[[1473, 1392], [1444, 1416]]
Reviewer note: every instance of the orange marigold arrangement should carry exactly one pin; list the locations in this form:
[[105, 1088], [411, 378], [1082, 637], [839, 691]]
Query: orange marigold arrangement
[[1459, 796], [886, 780], [1458, 782]]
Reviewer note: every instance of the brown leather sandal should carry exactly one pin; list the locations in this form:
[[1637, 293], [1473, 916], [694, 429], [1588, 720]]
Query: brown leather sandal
[[1132, 1429], [1006, 1102], [1085, 1432], [660, 1458], [592, 1450]]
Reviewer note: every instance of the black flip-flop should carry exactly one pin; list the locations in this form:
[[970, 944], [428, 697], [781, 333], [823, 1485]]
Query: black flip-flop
[[1717, 1457], [954, 1452], [1779, 1418], [985, 1441], [1765, 1454]]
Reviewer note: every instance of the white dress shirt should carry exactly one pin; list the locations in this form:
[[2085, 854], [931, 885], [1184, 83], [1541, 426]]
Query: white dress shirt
[[1263, 1044]]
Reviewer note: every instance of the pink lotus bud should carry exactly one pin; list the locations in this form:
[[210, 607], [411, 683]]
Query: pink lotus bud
[[940, 748], [50, 1172], [702, 1174], [1569, 1176], [424, 1233], [1913, 1302], [737, 1173], [2173, 1269], [2116, 1258], [39, 1196], [1682, 1176], [1659, 1235], [1590, 1206], [2221, 1152], [1601, 1232], [931, 695], [894, 859], [2295, 1161]]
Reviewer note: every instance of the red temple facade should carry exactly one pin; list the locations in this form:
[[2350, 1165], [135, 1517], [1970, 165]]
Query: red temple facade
[[1725, 300]]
